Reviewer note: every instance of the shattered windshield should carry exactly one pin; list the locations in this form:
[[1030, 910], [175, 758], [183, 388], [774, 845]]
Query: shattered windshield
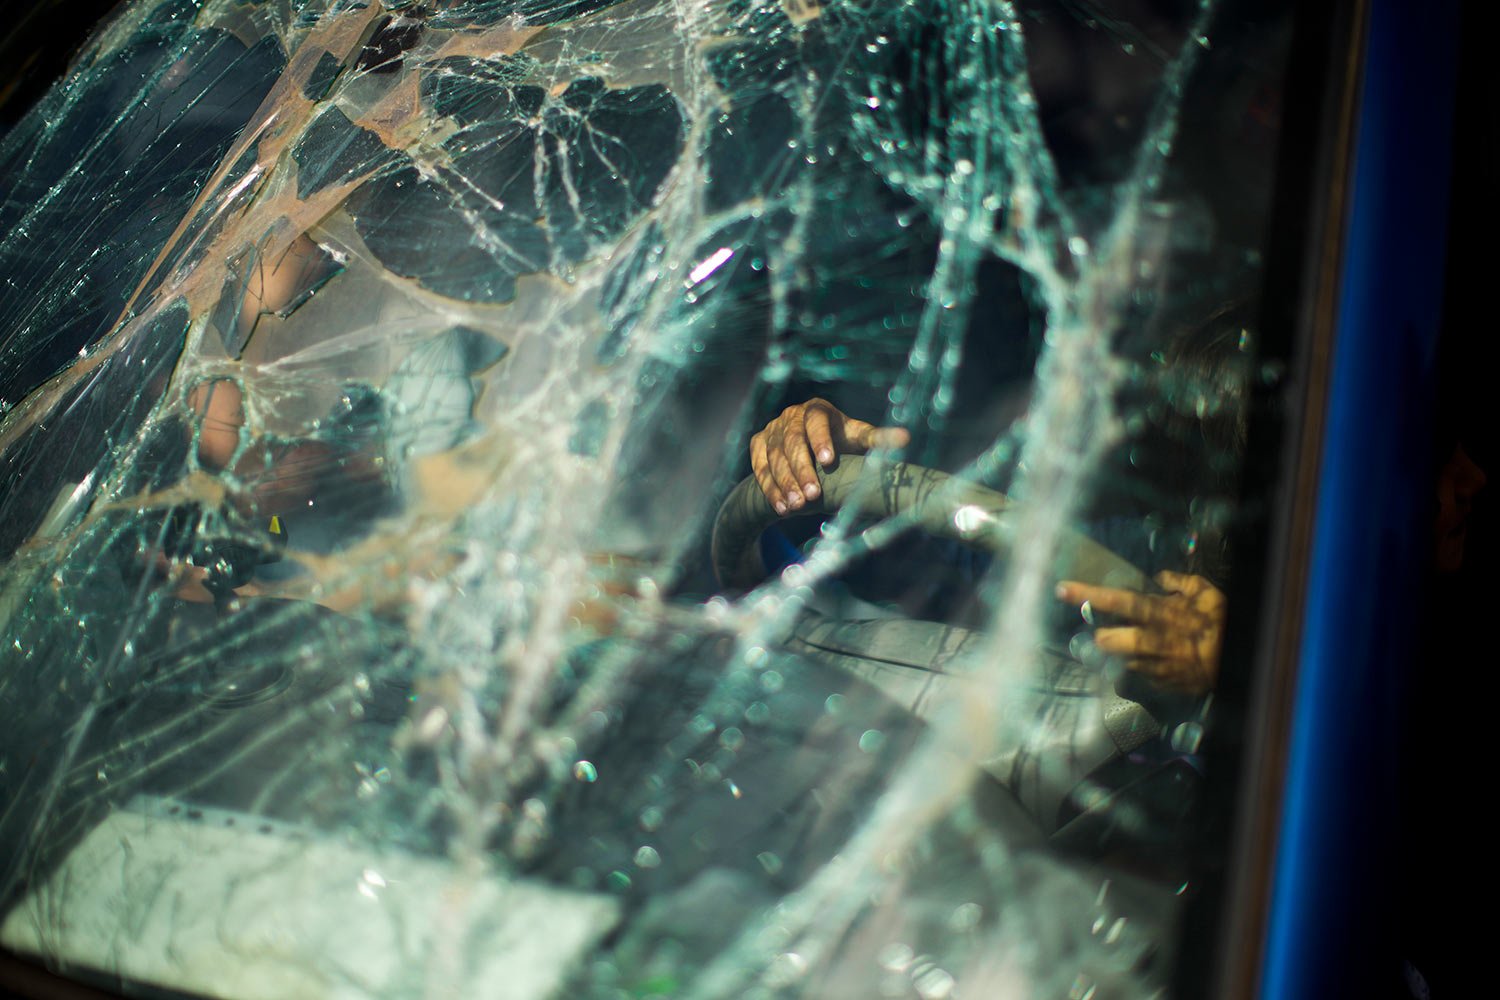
[[624, 497]]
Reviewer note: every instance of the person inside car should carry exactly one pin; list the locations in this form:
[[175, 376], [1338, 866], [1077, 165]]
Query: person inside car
[[1172, 638]]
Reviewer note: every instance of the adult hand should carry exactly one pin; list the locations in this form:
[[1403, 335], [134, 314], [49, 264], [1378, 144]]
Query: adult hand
[[782, 453], [1173, 639]]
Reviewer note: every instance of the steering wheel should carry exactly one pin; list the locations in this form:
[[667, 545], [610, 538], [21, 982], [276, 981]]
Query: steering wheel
[[1088, 723], [942, 505]]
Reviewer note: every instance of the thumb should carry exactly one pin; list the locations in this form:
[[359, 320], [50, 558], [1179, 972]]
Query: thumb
[[861, 437], [888, 437]]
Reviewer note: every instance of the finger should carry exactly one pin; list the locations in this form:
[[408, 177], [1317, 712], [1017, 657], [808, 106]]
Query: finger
[[889, 437], [862, 436], [819, 432], [1072, 592], [1137, 642], [1140, 608], [769, 489], [858, 435], [799, 458], [781, 472], [802, 469], [1118, 641], [792, 441], [760, 467], [1078, 595]]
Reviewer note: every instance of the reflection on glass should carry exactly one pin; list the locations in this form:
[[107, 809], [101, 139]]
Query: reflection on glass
[[624, 498]]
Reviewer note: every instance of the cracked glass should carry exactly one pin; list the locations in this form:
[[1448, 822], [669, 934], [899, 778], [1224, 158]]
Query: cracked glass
[[422, 576]]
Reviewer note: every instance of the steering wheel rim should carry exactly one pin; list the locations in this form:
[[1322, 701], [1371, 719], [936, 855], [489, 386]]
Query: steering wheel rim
[[940, 504]]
